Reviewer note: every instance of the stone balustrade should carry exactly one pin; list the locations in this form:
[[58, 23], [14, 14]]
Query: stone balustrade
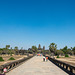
[[66, 67], [9, 66]]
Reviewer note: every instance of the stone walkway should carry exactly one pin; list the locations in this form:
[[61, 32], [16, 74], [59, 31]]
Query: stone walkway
[[36, 66]]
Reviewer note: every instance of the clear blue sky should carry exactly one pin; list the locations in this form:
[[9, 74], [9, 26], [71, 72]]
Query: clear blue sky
[[24, 23]]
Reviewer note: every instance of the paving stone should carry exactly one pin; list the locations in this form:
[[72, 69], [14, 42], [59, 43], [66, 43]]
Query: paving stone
[[36, 66]]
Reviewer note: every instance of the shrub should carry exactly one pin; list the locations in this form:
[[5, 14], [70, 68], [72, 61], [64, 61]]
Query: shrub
[[1, 59], [11, 58], [58, 56], [66, 55]]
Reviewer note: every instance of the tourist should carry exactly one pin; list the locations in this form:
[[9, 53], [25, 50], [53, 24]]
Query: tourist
[[44, 58], [5, 70]]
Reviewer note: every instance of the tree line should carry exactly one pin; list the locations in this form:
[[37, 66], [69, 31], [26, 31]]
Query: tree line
[[52, 49], [65, 50], [8, 50]]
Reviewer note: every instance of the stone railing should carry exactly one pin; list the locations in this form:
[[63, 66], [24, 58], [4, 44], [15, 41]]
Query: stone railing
[[66, 67], [9, 66]]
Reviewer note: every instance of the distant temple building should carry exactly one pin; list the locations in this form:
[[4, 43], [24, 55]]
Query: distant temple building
[[43, 47], [39, 47]]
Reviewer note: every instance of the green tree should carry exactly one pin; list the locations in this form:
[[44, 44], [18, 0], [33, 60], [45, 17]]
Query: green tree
[[59, 52], [34, 48], [5, 50], [52, 47], [7, 46], [65, 50], [16, 48], [73, 49], [69, 51], [1, 50]]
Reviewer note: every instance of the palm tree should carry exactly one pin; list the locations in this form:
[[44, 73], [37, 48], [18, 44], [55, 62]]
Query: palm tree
[[52, 47], [7, 46], [16, 50]]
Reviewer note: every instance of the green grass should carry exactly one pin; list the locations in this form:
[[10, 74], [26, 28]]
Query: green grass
[[66, 55], [11, 58], [1, 59]]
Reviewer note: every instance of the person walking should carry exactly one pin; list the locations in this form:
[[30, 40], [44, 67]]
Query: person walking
[[46, 58]]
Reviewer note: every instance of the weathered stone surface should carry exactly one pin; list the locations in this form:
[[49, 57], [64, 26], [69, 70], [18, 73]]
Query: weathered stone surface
[[36, 66]]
